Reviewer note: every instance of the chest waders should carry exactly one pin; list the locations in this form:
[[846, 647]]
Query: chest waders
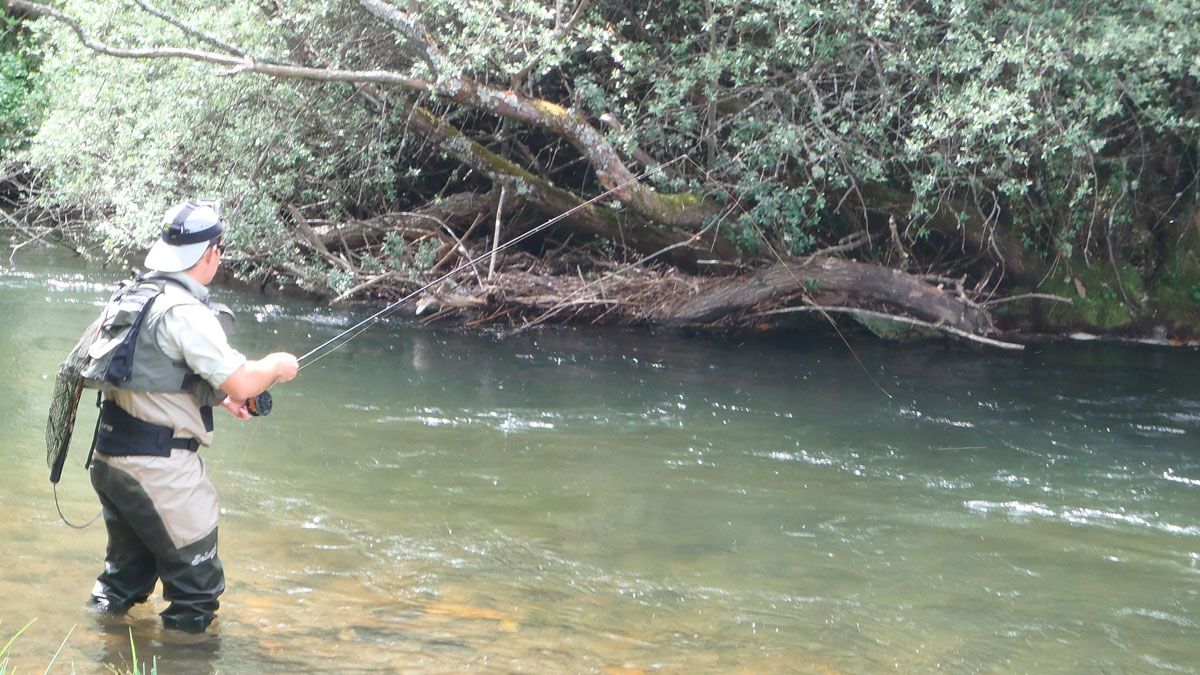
[[159, 506]]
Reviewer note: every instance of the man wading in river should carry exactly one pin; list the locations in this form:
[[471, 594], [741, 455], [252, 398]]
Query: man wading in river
[[160, 508]]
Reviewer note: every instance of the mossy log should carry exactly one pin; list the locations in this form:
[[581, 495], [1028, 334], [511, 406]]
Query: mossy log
[[862, 284]]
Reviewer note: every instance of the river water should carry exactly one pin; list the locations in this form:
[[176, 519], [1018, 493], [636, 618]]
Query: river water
[[607, 501]]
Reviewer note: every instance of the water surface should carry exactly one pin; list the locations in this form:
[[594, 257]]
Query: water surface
[[607, 501]]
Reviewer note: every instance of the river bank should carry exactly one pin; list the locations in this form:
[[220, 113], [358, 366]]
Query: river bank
[[526, 292], [523, 292]]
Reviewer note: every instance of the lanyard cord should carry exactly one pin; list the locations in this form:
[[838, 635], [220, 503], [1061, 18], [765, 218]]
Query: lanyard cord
[[64, 518]]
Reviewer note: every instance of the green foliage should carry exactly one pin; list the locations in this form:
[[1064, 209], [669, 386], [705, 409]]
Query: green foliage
[[426, 254], [1026, 109], [138, 669], [1109, 302], [395, 250], [339, 280], [1056, 118], [21, 99], [154, 132]]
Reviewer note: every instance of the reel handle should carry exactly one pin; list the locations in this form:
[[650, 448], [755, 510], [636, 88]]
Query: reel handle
[[260, 406]]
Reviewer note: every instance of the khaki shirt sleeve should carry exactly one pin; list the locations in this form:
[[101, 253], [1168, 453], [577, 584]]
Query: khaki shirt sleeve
[[193, 333]]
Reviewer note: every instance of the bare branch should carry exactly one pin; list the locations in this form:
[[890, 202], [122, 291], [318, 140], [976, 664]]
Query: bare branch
[[418, 38], [898, 319], [373, 281], [496, 237], [203, 37], [1027, 296], [678, 210]]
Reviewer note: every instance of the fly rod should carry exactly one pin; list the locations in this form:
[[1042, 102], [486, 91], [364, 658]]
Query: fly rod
[[352, 332], [261, 405]]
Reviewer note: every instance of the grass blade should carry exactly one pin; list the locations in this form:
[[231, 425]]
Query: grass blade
[[4, 652], [60, 648], [133, 650]]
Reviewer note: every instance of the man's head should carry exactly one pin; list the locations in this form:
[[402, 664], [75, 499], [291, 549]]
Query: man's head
[[190, 241]]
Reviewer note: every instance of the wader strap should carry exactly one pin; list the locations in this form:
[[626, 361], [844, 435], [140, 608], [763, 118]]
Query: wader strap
[[120, 365], [190, 381], [87, 464], [120, 434]]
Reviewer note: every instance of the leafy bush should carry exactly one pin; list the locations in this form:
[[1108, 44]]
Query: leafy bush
[[21, 100], [1060, 121]]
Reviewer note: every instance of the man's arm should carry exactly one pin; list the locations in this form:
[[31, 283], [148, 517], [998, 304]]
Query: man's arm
[[254, 377]]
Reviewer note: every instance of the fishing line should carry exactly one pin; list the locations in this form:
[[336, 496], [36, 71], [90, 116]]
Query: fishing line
[[808, 296], [346, 336], [361, 326]]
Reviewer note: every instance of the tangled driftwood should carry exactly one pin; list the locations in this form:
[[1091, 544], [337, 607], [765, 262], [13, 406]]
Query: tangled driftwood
[[525, 293]]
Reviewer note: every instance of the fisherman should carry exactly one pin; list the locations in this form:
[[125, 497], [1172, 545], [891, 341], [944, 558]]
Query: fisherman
[[160, 508]]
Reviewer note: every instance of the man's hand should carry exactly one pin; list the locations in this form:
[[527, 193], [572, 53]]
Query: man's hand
[[255, 377], [236, 408], [286, 365]]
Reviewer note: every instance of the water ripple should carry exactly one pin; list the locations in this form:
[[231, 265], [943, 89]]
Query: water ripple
[[1170, 475], [1157, 615], [1078, 516]]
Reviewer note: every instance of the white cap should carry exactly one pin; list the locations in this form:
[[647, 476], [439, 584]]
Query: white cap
[[188, 230]]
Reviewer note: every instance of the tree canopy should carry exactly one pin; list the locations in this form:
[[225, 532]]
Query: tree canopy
[[1003, 144]]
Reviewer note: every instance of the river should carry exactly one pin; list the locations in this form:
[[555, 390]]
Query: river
[[607, 501]]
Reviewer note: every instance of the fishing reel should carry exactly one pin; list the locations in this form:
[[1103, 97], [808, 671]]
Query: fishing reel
[[260, 406]]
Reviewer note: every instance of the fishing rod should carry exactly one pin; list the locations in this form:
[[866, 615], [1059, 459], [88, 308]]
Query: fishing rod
[[260, 406], [377, 316]]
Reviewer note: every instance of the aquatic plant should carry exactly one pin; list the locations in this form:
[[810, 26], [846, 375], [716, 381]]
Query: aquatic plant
[[8, 646], [137, 669]]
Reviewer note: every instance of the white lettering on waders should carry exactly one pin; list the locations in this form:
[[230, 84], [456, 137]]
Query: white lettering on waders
[[203, 557]]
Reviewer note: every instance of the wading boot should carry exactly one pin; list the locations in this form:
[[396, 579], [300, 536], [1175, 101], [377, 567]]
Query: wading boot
[[187, 624], [104, 605]]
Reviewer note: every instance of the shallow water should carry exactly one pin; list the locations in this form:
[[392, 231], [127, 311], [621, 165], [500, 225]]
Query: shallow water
[[576, 500]]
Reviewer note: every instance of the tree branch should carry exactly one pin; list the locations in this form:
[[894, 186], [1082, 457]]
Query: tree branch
[[418, 38], [681, 210], [898, 319], [203, 37]]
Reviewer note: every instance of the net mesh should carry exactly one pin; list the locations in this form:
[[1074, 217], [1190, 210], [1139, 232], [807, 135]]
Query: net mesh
[[64, 403]]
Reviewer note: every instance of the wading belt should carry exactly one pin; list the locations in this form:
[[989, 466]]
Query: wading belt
[[120, 434]]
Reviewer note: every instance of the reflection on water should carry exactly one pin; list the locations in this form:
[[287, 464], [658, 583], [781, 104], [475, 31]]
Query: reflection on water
[[602, 501]]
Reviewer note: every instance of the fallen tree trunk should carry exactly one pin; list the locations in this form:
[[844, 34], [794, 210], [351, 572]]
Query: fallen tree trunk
[[524, 296], [819, 276]]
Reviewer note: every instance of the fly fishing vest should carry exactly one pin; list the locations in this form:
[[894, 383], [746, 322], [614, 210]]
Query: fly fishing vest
[[129, 327], [120, 350]]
